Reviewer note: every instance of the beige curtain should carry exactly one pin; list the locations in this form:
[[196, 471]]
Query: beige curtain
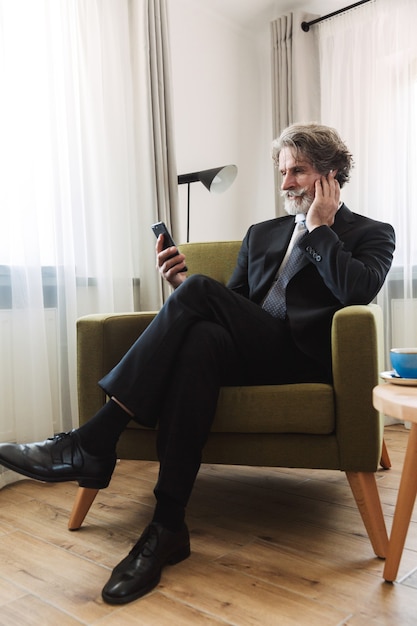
[[295, 77], [161, 93], [154, 97]]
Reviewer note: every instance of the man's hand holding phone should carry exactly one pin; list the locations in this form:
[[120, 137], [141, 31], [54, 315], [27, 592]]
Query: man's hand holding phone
[[169, 261]]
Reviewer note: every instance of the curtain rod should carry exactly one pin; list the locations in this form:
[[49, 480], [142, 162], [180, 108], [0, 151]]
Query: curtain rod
[[306, 25]]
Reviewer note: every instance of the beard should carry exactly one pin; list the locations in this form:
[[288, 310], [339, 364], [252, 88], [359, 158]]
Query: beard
[[297, 201]]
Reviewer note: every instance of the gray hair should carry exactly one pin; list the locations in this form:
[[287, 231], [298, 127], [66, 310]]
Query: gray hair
[[320, 145]]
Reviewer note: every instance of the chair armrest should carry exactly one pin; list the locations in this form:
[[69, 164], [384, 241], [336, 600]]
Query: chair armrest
[[357, 351], [102, 340]]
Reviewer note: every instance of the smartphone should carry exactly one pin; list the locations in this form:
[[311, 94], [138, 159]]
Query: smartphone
[[160, 229]]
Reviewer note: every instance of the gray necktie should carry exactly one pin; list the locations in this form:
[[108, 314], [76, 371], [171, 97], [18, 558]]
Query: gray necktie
[[274, 302]]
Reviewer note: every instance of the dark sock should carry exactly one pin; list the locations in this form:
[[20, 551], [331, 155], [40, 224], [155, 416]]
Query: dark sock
[[169, 513], [101, 433]]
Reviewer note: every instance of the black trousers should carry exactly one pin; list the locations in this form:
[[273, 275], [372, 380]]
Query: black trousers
[[205, 337]]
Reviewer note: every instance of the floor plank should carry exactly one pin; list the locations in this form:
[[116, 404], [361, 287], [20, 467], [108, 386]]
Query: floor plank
[[32, 611]]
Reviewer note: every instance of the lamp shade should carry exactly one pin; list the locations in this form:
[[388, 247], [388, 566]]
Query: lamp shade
[[216, 180]]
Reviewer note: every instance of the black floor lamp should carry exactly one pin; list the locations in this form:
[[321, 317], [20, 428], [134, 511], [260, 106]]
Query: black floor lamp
[[216, 180]]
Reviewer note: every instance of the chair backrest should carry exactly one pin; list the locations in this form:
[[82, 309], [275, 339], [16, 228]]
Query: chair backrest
[[214, 258]]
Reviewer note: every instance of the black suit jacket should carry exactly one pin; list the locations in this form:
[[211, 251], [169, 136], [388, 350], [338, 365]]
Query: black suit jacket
[[345, 264]]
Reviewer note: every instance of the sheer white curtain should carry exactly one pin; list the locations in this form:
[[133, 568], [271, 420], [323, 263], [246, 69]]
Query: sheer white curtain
[[368, 76], [85, 133]]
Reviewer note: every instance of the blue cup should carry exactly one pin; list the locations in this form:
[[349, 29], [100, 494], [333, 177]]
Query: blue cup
[[404, 362]]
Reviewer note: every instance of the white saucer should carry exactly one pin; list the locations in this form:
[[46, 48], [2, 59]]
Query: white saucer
[[390, 377]]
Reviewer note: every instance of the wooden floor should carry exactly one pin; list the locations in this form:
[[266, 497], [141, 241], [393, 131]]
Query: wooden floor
[[269, 547]]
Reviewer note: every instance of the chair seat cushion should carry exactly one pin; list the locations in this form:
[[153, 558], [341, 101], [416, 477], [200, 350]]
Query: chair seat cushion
[[298, 408], [306, 408]]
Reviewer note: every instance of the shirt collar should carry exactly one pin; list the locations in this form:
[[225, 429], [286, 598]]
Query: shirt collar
[[300, 217]]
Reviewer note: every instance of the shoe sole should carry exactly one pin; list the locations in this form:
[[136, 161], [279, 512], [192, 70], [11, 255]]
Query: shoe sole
[[177, 557], [88, 483]]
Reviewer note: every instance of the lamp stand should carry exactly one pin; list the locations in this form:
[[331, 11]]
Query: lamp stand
[[188, 212]]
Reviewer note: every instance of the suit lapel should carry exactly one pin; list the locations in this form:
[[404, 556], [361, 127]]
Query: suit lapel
[[278, 239], [274, 239]]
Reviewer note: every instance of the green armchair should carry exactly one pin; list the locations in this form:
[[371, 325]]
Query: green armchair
[[307, 425]]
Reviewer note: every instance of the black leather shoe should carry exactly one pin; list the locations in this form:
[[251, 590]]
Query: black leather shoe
[[140, 571], [59, 459]]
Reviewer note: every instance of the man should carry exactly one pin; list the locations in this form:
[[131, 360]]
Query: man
[[266, 326]]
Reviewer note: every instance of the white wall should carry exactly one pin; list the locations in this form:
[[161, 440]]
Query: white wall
[[222, 115], [222, 109]]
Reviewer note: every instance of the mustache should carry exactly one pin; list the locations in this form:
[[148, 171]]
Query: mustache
[[293, 193]]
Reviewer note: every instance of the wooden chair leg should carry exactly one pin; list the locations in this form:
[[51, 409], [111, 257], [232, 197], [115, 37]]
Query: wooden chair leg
[[385, 460], [365, 492], [82, 503]]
